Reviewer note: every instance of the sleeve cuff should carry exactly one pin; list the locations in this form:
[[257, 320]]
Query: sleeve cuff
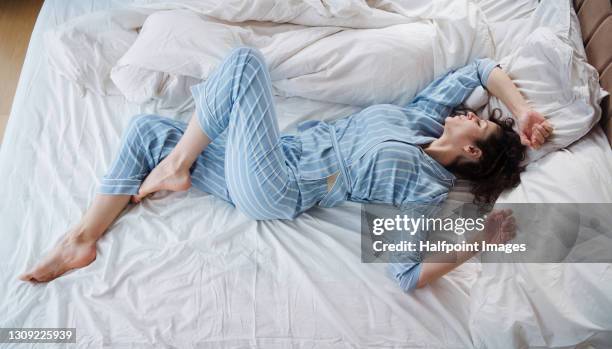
[[110, 186], [485, 67], [407, 276]]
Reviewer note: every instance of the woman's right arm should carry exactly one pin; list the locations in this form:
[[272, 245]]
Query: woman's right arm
[[448, 91]]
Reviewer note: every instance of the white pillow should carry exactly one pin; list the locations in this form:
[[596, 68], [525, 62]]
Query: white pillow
[[174, 50], [556, 82], [84, 50]]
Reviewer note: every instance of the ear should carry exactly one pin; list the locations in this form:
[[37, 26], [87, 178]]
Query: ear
[[472, 152]]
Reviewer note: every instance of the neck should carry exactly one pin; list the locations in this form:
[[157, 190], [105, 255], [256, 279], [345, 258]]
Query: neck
[[441, 151]]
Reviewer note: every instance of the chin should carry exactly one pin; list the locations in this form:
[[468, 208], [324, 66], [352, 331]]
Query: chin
[[449, 123]]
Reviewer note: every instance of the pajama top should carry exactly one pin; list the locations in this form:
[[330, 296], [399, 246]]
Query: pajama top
[[380, 145]]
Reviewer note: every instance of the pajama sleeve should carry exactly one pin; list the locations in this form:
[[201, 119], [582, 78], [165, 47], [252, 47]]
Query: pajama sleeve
[[405, 274], [406, 269], [447, 92]]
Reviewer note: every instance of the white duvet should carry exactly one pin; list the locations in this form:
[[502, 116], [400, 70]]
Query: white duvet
[[180, 46]]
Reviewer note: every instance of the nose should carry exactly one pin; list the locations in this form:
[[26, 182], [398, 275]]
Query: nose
[[472, 116]]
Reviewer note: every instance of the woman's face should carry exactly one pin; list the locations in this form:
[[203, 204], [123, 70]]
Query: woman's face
[[463, 131]]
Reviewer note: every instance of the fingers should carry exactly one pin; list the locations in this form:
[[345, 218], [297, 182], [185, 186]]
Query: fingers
[[547, 126], [540, 133], [525, 140], [537, 138], [507, 233], [507, 236], [509, 225], [543, 131], [495, 215], [502, 225], [534, 129], [503, 213]]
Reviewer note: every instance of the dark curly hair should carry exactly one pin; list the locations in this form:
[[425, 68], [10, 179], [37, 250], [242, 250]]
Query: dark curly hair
[[499, 166]]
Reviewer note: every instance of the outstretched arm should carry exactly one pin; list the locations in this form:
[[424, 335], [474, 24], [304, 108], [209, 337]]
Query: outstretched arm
[[533, 128], [500, 227]]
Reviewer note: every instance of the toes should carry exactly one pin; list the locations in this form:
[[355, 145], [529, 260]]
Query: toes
[[138, 198], [25, 277], [142, 193], [30, 277], [46, 276]]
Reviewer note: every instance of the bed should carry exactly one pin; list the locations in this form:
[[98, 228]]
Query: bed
[[187, 270]]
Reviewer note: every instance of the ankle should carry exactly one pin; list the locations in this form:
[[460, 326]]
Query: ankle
[[179, 162], [83, 234]]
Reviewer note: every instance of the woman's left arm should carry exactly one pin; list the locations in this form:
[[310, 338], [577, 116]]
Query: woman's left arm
[[500, 227], [534, 129]]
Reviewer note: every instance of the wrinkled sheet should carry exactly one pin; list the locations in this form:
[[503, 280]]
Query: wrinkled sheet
[[187, 270], [552, 305]]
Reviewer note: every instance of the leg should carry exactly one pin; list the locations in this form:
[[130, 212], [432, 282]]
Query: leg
[[258, 179], [77, 248], [237, 100], [147, 140]]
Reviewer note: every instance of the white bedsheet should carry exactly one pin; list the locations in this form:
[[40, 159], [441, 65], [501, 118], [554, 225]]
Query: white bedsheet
[[185, 269]]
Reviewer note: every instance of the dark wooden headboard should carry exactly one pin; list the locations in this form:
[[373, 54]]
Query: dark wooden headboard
[[595, 18]]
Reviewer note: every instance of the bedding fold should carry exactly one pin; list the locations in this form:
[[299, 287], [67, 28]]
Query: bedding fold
[[323, 58]]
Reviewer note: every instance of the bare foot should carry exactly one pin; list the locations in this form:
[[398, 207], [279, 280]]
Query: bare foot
[[166, 176], [71, 253]]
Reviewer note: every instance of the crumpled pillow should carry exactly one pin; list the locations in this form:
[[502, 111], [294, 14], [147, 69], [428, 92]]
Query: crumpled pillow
[[85, 49], [557, 82]]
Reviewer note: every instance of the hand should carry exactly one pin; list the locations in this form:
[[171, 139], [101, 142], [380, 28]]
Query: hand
[[500, 227], [534, 130]]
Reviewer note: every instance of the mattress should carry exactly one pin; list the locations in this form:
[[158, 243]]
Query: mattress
[[186, 269]]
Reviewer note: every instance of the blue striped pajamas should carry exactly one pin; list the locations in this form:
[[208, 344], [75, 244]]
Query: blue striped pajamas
[[267, 175]]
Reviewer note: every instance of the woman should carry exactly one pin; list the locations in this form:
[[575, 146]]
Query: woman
[[232, 149]]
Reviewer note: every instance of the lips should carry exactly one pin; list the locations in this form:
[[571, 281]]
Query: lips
[[466, 117]]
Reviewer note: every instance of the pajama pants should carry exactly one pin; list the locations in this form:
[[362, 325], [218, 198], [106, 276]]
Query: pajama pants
[[248, 163]]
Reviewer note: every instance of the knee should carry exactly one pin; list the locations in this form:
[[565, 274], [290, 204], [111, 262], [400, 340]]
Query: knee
[[139, 126], [249, 54], [141, 123]]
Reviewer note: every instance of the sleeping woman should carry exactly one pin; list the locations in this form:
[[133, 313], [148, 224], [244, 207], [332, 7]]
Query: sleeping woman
[[232, 149]]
